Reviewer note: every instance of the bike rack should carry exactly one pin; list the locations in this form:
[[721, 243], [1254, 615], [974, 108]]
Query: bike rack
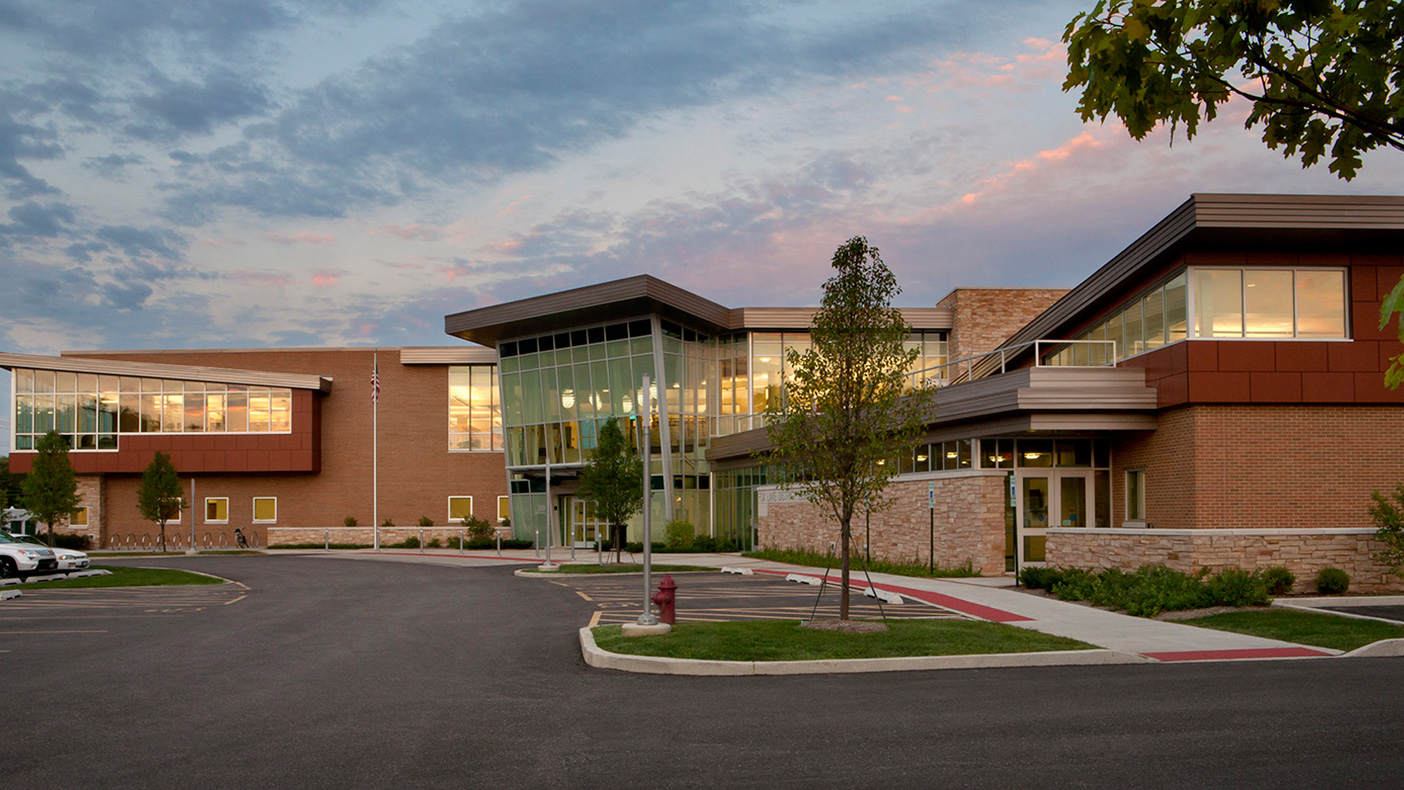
[[223, 540], [145, 540], [208, 542]]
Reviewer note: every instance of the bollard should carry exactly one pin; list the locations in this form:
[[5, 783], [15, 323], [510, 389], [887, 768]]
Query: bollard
[[499, 542], [421, 541], [326, 540], [537, 543], [460, 541]]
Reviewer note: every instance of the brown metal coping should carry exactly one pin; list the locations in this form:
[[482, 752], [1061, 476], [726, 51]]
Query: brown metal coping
[[153, 370], [633, 297], [1231, 221]]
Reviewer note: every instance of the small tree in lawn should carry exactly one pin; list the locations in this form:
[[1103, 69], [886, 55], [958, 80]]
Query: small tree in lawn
[[613, 478], [1388, 515], [50, 488], [844, 413], [159, 497]]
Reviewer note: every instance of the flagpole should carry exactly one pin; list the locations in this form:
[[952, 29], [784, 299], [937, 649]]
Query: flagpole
[[375, 446]]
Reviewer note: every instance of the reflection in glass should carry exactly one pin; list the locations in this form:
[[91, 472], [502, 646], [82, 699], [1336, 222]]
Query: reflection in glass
[[1267, 303]]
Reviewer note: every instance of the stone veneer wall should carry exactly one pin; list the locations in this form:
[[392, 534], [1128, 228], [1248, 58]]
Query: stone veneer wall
[[969, 523], [985, 317], [1303, 554]]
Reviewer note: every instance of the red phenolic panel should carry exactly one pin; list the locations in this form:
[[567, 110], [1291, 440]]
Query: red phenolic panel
[[1300, 356], [1275, 387], [1328, 387], [1365, 322], [1370, 388], [1202, 355], [1172, 390], [1357, 356], [1246, 355], [1216, 387]]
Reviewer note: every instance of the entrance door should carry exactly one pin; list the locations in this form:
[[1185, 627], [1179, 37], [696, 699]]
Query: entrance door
[[1044, 498], [584, 528]]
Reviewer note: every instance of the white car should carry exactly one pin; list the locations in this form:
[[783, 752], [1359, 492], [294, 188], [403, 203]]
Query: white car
[[69, 560], [21, 558]]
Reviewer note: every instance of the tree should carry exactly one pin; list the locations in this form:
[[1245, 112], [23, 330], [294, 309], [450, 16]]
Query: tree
[[613, 478], [1320, 73], [1389, 529], [4, 483], [50, 488], [159, 498], [843, 412]]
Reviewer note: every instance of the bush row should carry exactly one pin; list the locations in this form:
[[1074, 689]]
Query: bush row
[[1152, 589]]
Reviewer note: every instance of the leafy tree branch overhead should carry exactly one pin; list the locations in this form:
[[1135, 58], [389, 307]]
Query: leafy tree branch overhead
[[1324, 76]]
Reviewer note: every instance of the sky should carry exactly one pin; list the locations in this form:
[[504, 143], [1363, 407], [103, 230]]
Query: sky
[[262, 173]]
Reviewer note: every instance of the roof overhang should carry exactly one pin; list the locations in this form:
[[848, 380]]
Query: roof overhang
[[1052, 399], [1227, 222], [154, 370], [632, 297]]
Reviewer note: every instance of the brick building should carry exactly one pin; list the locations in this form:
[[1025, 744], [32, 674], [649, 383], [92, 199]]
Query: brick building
[[1211, 396]]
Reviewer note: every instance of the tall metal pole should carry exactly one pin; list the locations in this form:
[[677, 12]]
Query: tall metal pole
[[193, 512], [375, 446], [646, 415], [549, 511]]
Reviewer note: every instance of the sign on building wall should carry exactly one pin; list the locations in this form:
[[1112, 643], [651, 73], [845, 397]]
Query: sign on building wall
[[775, 496]]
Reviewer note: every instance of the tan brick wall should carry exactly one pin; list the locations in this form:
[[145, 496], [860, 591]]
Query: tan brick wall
[[969, 523], [985, 317], [1304, 554]]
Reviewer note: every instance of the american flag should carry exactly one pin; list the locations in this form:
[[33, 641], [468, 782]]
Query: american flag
[[375, 382]]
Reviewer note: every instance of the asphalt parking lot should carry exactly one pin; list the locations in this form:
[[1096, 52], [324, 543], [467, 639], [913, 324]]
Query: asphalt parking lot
[[1395, 613], [333, 673], [712, 597]]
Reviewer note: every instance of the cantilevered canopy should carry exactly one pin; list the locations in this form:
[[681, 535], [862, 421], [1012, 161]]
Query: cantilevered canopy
[[153, 370]]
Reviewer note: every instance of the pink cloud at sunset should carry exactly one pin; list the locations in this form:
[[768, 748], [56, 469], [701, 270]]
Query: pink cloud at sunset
[[301, 237], [325, 278], [411, 232]]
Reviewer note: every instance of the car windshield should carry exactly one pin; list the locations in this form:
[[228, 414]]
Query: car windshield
[[24, 539]]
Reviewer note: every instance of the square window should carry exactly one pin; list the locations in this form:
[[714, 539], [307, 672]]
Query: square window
[[78, 519], [504, 510], [217, 510], [265, 510], [460, 509]]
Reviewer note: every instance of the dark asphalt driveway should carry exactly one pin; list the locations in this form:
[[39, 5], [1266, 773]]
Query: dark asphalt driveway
[[340, 674]]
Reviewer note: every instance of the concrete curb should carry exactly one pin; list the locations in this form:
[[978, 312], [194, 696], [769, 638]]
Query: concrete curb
[[654, 665], [1384, 647], [527, 573], [6, 595]]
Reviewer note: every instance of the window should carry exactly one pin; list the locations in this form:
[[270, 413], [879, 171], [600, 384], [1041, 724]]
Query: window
[[217, 510], [475, 418], [265, 509], [504, 510], [78, 519], [1135, 495], [1269, 303], [460, 509]]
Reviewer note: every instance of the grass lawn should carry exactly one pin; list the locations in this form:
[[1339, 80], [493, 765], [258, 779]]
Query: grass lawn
[[814, 559], [587, 567], [1306, 628], [785, 640], [127, 577]]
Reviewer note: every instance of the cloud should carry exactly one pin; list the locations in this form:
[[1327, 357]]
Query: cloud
[[143, 243], [178, 108], [113, 166], [411, 232], [33, 220], [301, 237]]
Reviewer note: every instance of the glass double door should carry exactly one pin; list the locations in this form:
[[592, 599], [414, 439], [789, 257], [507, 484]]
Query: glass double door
[[1047, 498], [582, 528]]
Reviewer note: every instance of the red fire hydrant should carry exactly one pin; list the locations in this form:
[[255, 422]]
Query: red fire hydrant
[[665, 598]]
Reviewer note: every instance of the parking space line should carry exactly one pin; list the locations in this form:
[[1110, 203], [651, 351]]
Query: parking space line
[[12, 633]]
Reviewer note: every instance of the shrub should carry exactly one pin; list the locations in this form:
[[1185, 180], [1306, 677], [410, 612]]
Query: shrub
[[1237, 587], [1035, 578], [1389, 529], [350, 521], [506, 522], [433, 543], [1278, 580], [387, 523], [679, 533], [75, 542], [425, 521], [479, 529], [1330, 581], [411, 542]]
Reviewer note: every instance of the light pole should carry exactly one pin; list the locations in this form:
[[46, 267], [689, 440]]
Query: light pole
[[548, 565], [647, 618]]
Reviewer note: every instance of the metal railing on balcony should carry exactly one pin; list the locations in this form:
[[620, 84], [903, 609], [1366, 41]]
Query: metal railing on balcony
[[1060, 353]]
